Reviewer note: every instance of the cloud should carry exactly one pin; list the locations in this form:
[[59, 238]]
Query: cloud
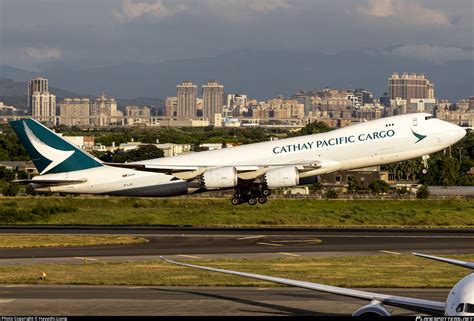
[[406, 12], [42, 54], [145, 10], [232, 10], [435, 54]]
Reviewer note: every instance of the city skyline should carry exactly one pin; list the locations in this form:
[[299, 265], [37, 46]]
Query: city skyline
[[407, 93], [263, 47]]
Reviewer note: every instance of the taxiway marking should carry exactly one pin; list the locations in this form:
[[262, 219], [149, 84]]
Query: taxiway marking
[[85, 258], [251, 237], [189, 256], [390, 252], [271, 244], [289, 254]]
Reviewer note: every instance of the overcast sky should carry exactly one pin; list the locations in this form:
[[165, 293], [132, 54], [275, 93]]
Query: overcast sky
[[88, 33]]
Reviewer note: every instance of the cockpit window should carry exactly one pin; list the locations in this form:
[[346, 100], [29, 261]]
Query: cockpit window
[[428, 117], [469, 308], [460, 307]]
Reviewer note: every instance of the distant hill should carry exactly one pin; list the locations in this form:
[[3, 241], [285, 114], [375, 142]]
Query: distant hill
[[261, 74], [15, 93]]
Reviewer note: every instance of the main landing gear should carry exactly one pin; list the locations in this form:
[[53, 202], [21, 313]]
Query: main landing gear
[[251, 196]]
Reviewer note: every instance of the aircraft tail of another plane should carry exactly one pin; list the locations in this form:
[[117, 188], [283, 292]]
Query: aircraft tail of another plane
[[50, 152]]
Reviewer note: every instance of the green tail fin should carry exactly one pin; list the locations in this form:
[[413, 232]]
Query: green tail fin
[[50, 152]]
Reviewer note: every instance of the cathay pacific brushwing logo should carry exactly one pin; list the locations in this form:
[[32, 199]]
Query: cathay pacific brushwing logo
[[419, 136], [56, 156]]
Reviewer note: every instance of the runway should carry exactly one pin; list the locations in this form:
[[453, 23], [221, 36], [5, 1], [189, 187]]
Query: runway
[[192, 244], [249, 242], [185, 301]]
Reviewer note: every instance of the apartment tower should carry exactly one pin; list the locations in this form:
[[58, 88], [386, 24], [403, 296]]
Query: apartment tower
[[186, 93], [213, 99]]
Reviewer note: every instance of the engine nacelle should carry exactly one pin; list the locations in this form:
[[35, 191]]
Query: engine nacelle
[[221, 177], [372, 309], [281, 177]]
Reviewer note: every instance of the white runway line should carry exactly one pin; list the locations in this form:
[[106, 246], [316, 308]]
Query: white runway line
[[16, 286], [189, 256], [289, 254], [251, 237], [271, 244], [85, 258], [390, 252]]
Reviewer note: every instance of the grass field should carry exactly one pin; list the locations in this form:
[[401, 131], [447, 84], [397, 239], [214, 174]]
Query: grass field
[[354, 271], [45, 240], [220, 213]]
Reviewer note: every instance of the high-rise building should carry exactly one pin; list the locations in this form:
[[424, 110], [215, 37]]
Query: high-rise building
[[137, 115], [38, 84], [186, 93], [43, 107], [364, 96], [104, 112], [410, 86], [41, 103], [171, 106], [237, 104], [471, 103], [74, 112], [213, 99]]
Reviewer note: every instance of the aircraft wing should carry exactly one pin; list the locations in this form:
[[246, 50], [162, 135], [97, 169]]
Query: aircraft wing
[[418, 305], [465, 264], [246, 172]]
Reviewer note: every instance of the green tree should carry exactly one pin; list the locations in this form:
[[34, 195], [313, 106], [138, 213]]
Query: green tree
[[10, 189], [379, 186], [312, 128], [354, 185], [142, 153]]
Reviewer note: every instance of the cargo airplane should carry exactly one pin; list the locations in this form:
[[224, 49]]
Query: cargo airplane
[[252, 170], [460, 300]]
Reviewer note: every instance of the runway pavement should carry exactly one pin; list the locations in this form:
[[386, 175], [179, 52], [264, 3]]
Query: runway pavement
[[211, 243], [250, 242], [208, 301]]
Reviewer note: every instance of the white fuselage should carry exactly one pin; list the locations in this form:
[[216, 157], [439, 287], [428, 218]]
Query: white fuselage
[[460, 301], [377, 142]]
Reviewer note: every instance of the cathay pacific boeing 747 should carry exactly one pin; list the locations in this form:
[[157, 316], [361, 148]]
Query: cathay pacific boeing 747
[[251, 170]]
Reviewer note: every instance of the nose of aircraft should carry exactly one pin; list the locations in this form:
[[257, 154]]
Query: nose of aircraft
[[454, 133], [461, 132]]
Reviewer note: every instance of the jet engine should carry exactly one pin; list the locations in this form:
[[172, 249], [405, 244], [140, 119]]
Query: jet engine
[[373, 309], [221, 177], [281, 177]]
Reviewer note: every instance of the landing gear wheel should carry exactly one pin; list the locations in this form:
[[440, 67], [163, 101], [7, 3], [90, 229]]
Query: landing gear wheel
[[266, 192], [252, 201], [262, 199], [235, 201], [424, 171]]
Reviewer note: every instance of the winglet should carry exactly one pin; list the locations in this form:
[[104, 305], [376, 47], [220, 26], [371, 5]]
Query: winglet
[[465, 264]]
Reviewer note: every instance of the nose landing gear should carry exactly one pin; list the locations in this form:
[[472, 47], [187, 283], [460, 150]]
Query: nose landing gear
[[424, 159]]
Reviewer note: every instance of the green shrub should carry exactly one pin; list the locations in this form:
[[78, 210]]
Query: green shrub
[[331, 194], [29, 190], [379, 186], [10, 189], [423, 192]]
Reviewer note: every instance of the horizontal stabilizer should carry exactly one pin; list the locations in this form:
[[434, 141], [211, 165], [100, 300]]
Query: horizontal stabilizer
[[51, 181]]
